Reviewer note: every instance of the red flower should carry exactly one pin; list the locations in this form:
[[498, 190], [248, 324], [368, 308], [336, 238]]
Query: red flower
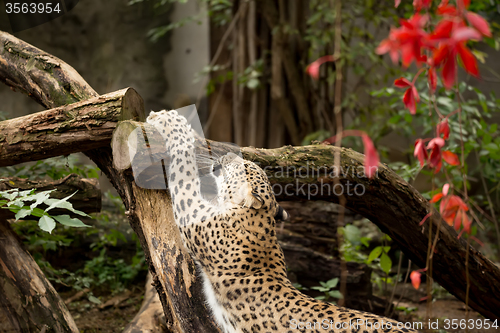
[[443, 193], [415, 279], [446, 188], [443, 128], [313, 68], [453, 210], [479, 23], [419, 4], [432, 78], [408, 39], [450, 158], [410, 97], [449, 208], [448, 50], [436, 197], [445, 9], [390, 45], [435, 156], [371, 156], [420, 152], [475, 20]]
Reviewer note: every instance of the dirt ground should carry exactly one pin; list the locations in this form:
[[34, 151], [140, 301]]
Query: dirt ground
[[122, 308], [116, 311]]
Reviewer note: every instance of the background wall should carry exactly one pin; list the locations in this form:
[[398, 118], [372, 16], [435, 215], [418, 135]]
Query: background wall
[[107, 43]]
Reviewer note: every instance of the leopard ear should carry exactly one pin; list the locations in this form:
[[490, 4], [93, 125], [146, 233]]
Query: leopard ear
[[257, 201]]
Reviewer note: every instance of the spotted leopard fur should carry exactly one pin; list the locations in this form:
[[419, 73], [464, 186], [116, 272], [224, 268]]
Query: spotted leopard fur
[[234, 244]]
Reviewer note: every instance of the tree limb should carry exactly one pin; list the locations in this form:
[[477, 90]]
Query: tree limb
[[67, 129], [29, 303], [47, 79]]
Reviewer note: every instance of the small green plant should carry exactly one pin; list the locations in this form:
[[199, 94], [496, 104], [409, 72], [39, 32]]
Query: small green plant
[[328, 289], [54, 168], [25, 203], [407, 310]]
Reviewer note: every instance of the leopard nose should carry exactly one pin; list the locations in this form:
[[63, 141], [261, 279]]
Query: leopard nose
[[282, 214]]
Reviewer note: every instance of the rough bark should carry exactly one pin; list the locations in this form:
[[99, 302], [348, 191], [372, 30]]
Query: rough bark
[[43, 77], [28, 303], [67, 129], [87, 198], [174, 272]]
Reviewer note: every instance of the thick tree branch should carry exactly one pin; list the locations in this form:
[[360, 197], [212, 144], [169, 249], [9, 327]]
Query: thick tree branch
[[47, 79], [28, 303], [67, 129]]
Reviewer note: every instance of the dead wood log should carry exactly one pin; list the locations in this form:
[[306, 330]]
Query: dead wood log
[[45, 78], [28, 302], [87, 199], [67, 129], [387, 200]]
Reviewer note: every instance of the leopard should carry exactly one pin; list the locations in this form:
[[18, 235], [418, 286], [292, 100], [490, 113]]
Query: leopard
[[233, 242]]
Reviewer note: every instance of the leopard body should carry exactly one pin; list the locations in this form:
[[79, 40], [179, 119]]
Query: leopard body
[[234, 245]]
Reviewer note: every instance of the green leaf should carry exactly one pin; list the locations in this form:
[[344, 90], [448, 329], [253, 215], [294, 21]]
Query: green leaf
[[10, 194], [332, 283], [37, 212], [253, 83], [59, 203], [70, 222], [376, 252], [47, 223], [493, 128], [395, 119], [385, 263], [40, 198], [64, 204], [352, 233], [23, 212], [335, 294], [94, 299]]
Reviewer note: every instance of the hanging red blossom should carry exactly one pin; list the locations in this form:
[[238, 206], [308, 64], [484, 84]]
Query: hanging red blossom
[[443, 128], [450, 158], [313, 68], [420, 152]]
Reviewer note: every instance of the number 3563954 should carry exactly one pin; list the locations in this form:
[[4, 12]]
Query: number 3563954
[[32, 8]]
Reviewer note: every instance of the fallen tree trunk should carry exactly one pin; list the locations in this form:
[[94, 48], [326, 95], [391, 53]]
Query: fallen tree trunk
[[28, 303], [386, 200], [67, 129], [45, 78], [87, 198]]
